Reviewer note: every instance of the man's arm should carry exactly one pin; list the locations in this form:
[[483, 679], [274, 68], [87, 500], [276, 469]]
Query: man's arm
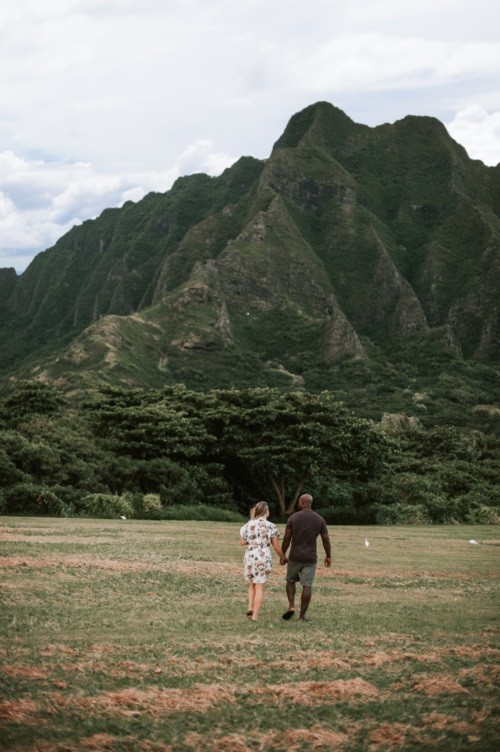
[[286, 539], [276, 545], [327, 546]]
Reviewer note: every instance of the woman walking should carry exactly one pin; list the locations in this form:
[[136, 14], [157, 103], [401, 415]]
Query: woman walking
[[258, 534]]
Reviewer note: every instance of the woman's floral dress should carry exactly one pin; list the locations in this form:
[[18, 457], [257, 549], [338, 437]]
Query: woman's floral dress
[[257, 562]]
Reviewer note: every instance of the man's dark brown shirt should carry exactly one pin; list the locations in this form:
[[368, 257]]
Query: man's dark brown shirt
[[305, 527]]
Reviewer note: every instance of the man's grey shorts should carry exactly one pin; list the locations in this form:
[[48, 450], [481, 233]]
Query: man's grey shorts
[[298, 571]]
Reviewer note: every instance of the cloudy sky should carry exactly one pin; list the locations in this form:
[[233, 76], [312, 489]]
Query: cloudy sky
[[102, 101]]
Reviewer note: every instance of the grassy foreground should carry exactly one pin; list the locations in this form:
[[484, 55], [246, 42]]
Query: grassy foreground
[[125, 635]]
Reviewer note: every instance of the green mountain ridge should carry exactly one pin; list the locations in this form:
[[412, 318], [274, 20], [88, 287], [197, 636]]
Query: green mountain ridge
[[350, 253]]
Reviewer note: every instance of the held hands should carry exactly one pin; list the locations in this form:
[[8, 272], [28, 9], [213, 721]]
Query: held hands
[[283, 560]]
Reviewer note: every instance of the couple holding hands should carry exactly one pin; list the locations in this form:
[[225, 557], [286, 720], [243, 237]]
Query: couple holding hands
[[302, 530]]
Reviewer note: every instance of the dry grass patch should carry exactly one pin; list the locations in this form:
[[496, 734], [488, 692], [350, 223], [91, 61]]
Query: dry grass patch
[[228, 743], [300, 661], [312, 693], [20, 671], [102, 743], [433, 728], [486, 677], [316, 738], [431, 686], [327, 660], [172, 566], [440, 722], [388, 736], [49, 538], [438, 655], [18, 711], [320, 738], [77, 562], [57, 649], [153, 702]]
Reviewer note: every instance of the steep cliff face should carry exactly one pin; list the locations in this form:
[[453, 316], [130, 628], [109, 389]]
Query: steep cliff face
[[8, 280], [347, 237]]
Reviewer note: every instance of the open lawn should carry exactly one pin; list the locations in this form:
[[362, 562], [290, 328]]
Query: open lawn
[[126, 635]]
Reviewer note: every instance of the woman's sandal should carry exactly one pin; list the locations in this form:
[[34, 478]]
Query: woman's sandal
[[249, 613]]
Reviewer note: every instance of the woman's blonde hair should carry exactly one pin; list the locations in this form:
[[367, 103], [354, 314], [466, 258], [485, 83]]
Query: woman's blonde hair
[[259, 510]]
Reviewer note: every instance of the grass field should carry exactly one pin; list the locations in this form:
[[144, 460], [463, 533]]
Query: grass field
[[125, 635]]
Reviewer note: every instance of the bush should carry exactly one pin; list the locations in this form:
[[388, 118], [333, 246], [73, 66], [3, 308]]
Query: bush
[[149, 507], [401, 514], [34, 499], [413, 489], [70, 496], [483, 515], [331, 515], [107, 506], [475, 511], [201, 512], [443, 510], [345, 515]]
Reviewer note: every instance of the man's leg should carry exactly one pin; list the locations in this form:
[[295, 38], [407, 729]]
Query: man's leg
[[290, 593], [306, 580], [305, 599]]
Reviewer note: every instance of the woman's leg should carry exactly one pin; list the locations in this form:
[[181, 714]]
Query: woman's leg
[[257, 599], [251, 596]]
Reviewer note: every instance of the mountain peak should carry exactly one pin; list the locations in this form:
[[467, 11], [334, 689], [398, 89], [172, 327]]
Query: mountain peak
[[331, 122]]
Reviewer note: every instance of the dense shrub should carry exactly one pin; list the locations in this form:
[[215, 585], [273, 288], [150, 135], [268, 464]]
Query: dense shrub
[[149, 507], [107, 506], [443, 510], [401, 514], [482, 515], [475, 510], [151, 502], [448, 442], [341, 515], [34, 499], [9, 472], [70, 496], [31, 398], [411, 488], [200, 512]]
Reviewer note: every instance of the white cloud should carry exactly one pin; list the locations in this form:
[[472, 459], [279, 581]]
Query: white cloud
[[373, 59], [98, 98], [480, 130], [40, 201]]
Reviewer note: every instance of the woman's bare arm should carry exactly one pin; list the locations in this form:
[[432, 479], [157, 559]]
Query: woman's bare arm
[[276, 545]]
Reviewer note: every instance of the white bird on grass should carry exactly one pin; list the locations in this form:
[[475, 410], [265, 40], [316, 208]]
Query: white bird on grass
[[367, 542], [473, 542]]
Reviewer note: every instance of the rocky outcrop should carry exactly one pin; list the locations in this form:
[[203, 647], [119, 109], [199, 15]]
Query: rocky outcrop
[[341, 341]]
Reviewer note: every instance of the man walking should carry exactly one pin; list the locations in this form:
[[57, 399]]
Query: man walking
[[302, 530]]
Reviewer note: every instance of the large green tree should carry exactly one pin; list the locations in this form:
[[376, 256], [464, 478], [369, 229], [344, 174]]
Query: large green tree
[[284, 440], [161, 444]]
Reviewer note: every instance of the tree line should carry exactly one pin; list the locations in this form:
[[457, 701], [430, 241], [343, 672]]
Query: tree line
[[177, 452]]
